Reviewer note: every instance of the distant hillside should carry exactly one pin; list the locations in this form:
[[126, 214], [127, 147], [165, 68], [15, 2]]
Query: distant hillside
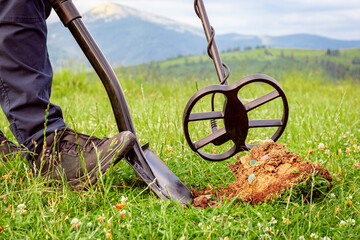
[[326, 65], [128, 36]]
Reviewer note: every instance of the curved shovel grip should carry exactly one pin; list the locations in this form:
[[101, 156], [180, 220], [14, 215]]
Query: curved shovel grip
[[66, 10]]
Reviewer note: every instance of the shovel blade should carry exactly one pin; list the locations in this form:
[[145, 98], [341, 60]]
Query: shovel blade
[[168, 182], [162, 181]]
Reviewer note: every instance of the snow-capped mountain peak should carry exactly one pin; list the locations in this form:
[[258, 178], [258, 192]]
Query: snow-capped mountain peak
[[109, 12]]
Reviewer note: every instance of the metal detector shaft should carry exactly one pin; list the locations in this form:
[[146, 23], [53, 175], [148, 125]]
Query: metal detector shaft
[[146, 163], [234, 113], [210, 33]]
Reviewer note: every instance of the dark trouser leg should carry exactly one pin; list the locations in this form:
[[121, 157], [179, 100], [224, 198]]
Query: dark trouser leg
[[25, 71]]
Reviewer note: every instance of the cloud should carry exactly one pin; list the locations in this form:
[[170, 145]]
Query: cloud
[[331, 18]]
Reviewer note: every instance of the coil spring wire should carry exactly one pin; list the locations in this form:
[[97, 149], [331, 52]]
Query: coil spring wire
[[226, 67]]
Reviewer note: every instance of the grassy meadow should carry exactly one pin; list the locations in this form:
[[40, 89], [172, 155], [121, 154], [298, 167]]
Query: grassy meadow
[[324, 102]]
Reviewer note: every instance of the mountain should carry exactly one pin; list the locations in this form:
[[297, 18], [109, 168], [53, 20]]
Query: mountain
[[299, 41], [128, 36]]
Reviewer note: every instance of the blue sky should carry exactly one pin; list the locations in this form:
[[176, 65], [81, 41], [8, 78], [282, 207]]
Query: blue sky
[[330, 18]]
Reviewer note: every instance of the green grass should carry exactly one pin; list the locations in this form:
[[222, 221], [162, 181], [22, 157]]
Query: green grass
[[320, 112]]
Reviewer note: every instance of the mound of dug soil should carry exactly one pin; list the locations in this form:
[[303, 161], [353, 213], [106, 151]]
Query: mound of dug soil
[[265, 173]]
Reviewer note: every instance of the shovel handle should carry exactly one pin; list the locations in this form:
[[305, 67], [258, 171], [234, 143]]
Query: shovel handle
[[146, 163], [66, 10]]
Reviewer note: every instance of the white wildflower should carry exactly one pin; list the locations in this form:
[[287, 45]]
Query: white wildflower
[[74, 221], [123, 199], [122, 213], [21, 206], [314, 236], [342, 223], [273, 221], [321, 146], [267, 229], [351, 222]]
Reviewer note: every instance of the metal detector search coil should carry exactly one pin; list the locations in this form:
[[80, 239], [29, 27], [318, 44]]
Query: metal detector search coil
[[234, 113]]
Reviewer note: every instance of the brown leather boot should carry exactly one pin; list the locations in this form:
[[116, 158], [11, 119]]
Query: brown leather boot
[[80, 158], [7, 148]]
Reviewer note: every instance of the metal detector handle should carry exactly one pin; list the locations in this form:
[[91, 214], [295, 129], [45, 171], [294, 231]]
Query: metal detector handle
[[146, 163], [209, 33]]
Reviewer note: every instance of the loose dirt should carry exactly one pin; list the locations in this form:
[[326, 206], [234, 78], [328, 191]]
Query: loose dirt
[[262, 175]]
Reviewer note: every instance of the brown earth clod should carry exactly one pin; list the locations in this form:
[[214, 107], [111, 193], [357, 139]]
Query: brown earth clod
[[275, 170]]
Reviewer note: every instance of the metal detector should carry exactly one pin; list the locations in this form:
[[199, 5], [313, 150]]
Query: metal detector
[[234, 112], [162, 181]]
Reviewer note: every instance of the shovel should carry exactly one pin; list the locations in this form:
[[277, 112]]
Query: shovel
[[162, 181]]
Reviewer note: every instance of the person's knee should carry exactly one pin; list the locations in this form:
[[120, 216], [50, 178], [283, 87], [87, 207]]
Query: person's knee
[[24, 11]]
